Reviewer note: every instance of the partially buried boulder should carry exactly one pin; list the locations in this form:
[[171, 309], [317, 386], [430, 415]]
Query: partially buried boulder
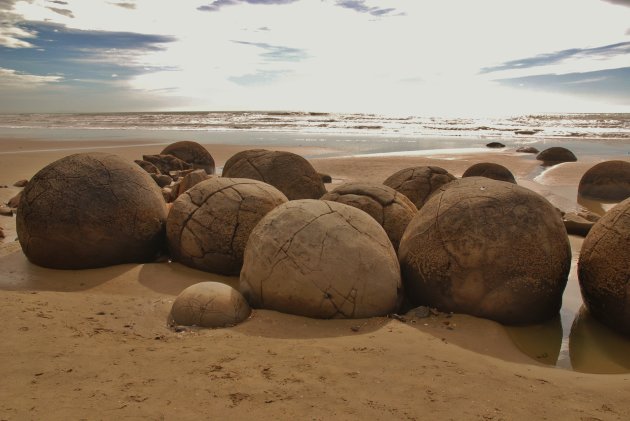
[[556, 155], [489, 249], [290, 173], [210, 304], [321, 259], [193, 153], [167, 163], [604, 269], [606, 181], [490, 170], [495, 145], [91, 210], [576, 224], [527, 149], [388, 207], [208, 226], [418, 183]]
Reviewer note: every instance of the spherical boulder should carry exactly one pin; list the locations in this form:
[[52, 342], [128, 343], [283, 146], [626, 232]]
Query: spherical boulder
[[604, 268], [210, 304], [489, 249], [606, 181], [527, 149], [556, 155], [418, 183], [490, 170], [388, 207], [91, 210], [208, 225], [321, 259], [290, 173], [193, 153]]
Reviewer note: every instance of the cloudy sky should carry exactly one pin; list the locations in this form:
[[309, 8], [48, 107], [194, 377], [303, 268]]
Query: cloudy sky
[[429, 57]]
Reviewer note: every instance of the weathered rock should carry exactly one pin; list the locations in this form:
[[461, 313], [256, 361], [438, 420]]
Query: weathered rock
[[5, 211], [556, 155], [91, 210], [147, 166], [495, 145], [191, 179], [576, 225], [418, 183], [20, 183], [326, 179], [527, 132], [193, 153], [321, 259], [162, 180], [388, 207], [290, 173], [604, 268], [527, 149], [490, 170], [167, 163], [1, 233], [210, 304], [606, 181], [589, 216], [14, 202], [487, 248], [208, 226]]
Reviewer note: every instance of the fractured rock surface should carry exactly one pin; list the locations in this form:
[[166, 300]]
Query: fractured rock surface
[[321, 259], [192, 153], [417, 183]]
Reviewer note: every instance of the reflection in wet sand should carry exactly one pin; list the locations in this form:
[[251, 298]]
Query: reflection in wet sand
[[541, 342], [595, 206]]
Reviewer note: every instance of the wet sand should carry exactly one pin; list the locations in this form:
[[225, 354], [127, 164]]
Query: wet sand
[[94, 344]]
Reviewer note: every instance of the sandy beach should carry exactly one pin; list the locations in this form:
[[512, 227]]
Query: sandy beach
[[94, 344]]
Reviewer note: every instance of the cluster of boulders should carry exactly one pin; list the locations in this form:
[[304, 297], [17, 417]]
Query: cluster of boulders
[[480, 245]]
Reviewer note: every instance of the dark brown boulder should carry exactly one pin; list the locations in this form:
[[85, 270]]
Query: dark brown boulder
[[162, 180], [489, 249], [417, 183], [290, 173], [556, 155], [20, 183], [527, 149], [326, 179], [192, 153], [606, 181], [490, 170], [576, 224], [147, 166], [495, 145], [91, 210], [388, 207], [14, 202], [604, 269], [167, 163]]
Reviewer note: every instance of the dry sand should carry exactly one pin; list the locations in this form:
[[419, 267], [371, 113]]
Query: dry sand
[[94, 344]]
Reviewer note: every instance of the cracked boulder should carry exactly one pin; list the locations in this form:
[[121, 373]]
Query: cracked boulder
[[490, 170], [418, 183], [607, 181], [556, 155], [290, 173], [604, 269], [489, 249], [167, 163], [388, 207], [192, 153], [91, 210], [210, 304], [321, 259], [208, 225]]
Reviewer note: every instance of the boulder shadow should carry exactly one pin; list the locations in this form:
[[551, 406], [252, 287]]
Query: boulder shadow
[[171, 278]]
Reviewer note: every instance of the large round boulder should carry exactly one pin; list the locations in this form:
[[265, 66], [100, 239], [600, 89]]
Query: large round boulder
[[490, 170], [388, 207], [489, 249], [209, 304], [208, 225], [604, 269], [290, 173], [606, 181], [556, 155], [193, 153], [321, 259], [418, 183], [91, 210]]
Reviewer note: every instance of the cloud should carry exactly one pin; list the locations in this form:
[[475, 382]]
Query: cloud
[[124, 5], [605, 51], [261, 77], [63, 3], [620, 2], [63, 12], [12, 78], [11, 35], [216, 5], [277, 52], [361, 7]]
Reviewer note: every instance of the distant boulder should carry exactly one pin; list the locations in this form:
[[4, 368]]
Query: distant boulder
[[556, 155], [607, 181], [192, 153], [495, 145], [14, 202], [527, 149], [490, 170], [20, 183]]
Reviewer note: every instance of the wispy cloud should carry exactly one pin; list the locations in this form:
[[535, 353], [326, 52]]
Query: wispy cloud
[[261, 77], [605, 51], [12, 78], [64, 12], [11, 35], [361, 7], [218, 4], [124, 5], [621, 2], [277, 52]]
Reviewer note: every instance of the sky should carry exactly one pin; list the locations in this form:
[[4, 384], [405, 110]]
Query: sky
[[400, 57]]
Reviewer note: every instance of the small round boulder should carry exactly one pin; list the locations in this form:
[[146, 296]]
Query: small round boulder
[[604, 269], [91, 210], [489, 249], [606, 181], [388, 207], [193, 153], [290, 173], [418, 183], [556, 155], [321, 259], [490, 170], [210, 304], [208, 225]]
